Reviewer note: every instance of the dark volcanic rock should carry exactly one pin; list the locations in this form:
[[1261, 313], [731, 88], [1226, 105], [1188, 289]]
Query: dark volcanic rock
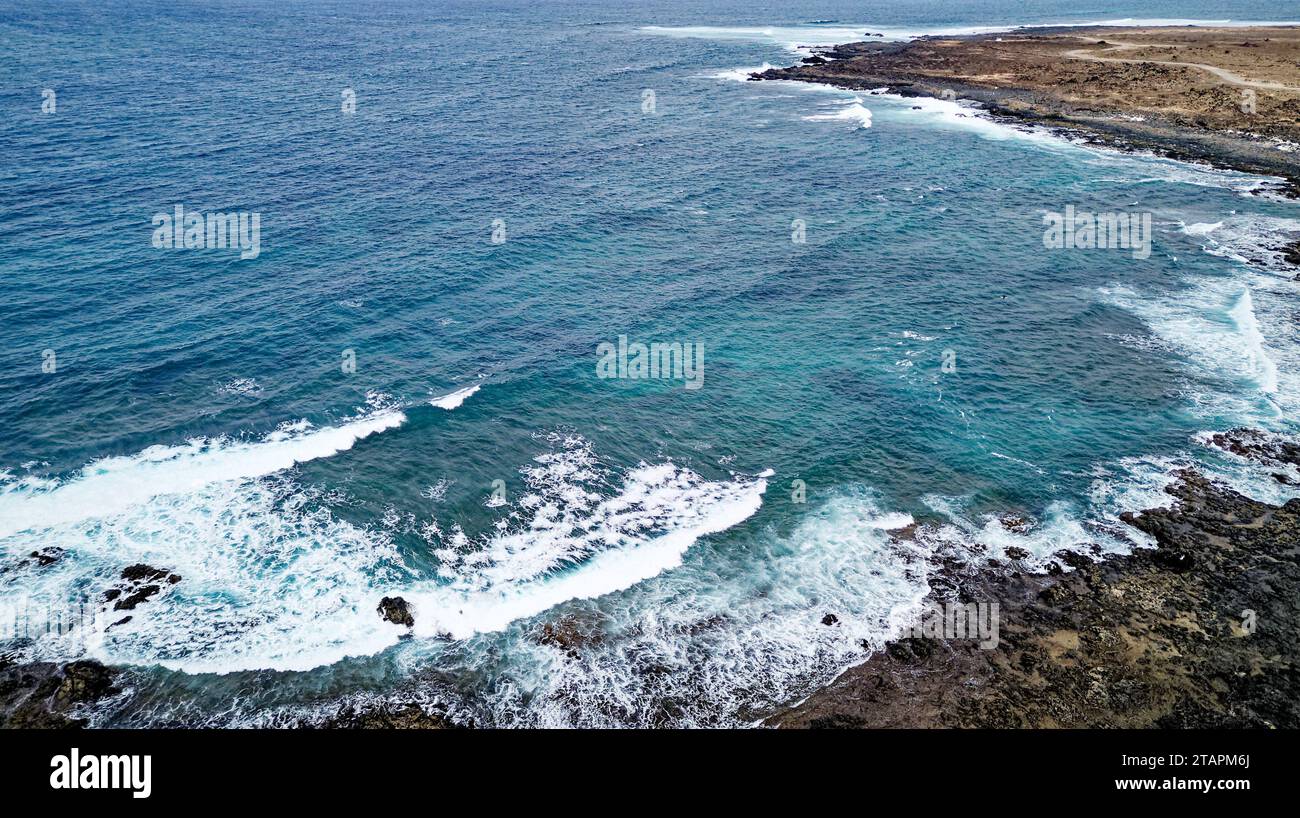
[[1291, 253], [1173, 560], [396, 610], [42, 694], [385, 717], [1016, 523], [137, 596], [142, 573], [47, 556], [84, 681], [830, 619], [910, 650], [1198, 632], [1259, 446], [1074, 559], [133, 591]]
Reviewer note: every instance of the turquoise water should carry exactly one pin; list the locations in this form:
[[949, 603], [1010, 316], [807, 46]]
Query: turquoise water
[[202, 415]]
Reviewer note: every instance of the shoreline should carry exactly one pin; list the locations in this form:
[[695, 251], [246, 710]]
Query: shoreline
[[1066, 79], [1195, 633], [1155, 637], [1175, 636]]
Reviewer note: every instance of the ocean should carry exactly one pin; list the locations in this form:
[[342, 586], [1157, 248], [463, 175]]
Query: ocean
[[422, 379]]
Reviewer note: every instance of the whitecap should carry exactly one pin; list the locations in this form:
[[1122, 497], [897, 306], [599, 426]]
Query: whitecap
[[111, 485], [454, 399]]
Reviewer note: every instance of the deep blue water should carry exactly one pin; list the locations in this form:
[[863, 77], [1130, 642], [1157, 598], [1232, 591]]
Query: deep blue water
[[199, 416]]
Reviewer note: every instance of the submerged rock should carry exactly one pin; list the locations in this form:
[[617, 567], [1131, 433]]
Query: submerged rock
[[385, 717], [571, 633], [1258, 445]]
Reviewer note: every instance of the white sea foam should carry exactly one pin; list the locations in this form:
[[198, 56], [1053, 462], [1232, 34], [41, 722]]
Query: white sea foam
[[1260, 366], [956, 115], [1125, 167], [967, 116], [1250, 239], [1092, 526], [1251, 478], [987, 536], [113, 484], [890, 521], [246, 387], [1214, 323], [269, 578], [739, 74], [455, 399], [569, 539], [729, 633], [792, 38], [848, 111], [1201, 228], [272, 579]]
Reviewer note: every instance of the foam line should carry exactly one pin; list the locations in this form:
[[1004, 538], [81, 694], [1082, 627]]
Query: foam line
[[112, 484]]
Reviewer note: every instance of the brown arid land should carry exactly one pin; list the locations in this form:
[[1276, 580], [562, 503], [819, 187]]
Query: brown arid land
[[1227, 96]]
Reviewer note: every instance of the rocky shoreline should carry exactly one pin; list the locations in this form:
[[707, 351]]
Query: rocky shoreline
[[49, 696], [1131, 88], [1198, 632]]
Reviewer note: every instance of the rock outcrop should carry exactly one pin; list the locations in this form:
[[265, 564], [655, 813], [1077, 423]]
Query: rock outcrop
[[46, 695], [396, 610], [1198, 632]]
